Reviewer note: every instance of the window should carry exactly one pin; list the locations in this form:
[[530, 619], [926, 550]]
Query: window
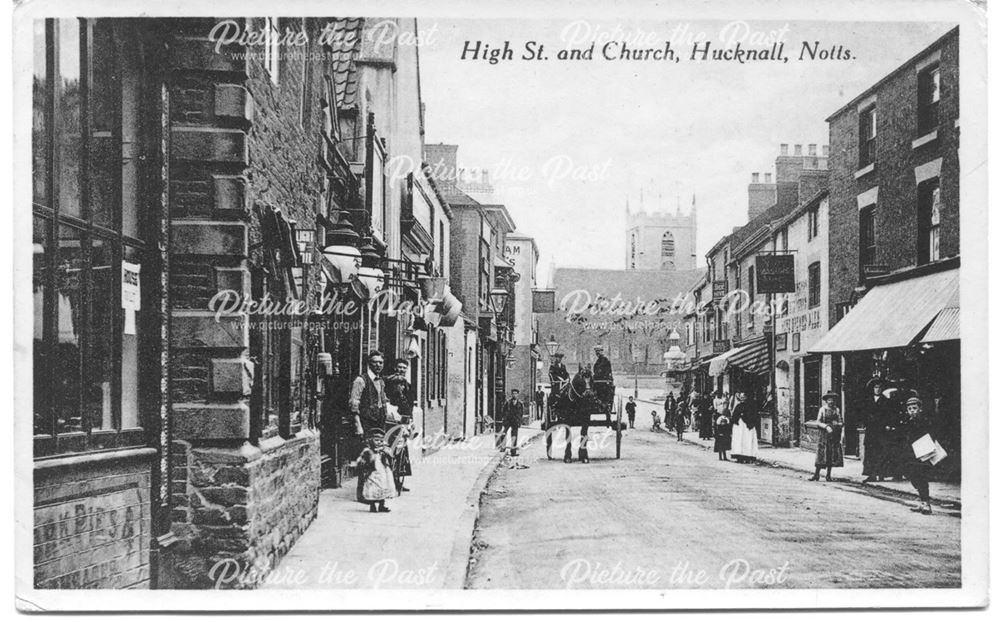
[[375, 181], [750, 283], [814, 285], [783, 240], [866, 244], [305, 109], [442, 369], [272, 56], [929, 222], [813, 223], [91, 300], [484, 274], [867, 128], [667, 245], [928, 96]]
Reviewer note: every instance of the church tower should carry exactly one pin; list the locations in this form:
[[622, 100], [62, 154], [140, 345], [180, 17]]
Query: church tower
[[660, 238]]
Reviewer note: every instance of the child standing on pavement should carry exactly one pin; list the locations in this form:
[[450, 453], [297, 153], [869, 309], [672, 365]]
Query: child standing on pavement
[[681, 419], [723, 436]]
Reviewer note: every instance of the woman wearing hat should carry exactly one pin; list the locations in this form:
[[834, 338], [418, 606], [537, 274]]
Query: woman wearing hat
[[829, 451]]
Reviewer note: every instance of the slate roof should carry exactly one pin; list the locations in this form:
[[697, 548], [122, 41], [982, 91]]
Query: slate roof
[[344, 49]]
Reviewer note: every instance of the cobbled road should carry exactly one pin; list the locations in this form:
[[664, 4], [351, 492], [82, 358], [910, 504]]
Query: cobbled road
[[671, 515]]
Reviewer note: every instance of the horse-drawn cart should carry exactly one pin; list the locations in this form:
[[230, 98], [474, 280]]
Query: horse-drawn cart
[[576, 404]]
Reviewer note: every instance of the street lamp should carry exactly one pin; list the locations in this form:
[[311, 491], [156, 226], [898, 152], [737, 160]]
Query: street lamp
[[498, 298], [552, 346]]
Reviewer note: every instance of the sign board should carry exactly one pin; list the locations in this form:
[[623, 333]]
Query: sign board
[[872, 270], [543, 301], [775, 274], [131, 302], [719, 346], [718, 290]]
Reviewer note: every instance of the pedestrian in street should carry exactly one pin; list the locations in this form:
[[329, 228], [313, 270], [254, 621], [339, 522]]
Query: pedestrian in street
[[367, 402], [917, 425], [656, 423], [680, 422], [723, 436], [398, 392], [375, 477], [539, 401], [604, 380], [630, 411], [829, 450], [513, 412], [880, 424], [746, 420], [670, 410], [705, 418]]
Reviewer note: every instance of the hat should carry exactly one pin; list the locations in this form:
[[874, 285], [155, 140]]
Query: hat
[[558, 355], [914, 401], [598, 347], [829, 394]]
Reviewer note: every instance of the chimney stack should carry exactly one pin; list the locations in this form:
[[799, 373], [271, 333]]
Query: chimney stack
[[826, 151], [798, 150], [784, 149], [760, 195], [812, 149]]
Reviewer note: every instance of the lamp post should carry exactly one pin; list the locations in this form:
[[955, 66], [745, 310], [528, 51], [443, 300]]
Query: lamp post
[[552, 346]]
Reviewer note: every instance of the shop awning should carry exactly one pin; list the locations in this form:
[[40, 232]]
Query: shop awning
[[750, 357], [896, 314]]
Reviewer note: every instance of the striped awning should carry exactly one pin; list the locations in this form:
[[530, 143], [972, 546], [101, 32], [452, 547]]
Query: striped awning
[[750, 357], [944, 327], [896, 314]]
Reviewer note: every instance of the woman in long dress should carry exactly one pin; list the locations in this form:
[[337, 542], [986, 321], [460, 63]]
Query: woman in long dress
[[745, 422], [829, 450]]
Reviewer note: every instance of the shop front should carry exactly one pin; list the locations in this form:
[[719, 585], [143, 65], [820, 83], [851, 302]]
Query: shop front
[[905, 331]]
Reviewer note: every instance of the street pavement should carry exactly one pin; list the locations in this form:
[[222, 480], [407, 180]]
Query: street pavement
[[670, 515], [423, 542]]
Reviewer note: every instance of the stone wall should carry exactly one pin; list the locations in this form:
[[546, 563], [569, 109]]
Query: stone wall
[[238, 511]]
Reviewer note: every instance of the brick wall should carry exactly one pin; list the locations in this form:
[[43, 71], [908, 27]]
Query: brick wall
[[465, 234], [896, 212], [92, 522]]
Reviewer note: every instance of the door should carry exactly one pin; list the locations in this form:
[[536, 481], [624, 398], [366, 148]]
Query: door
[[810, 384], [797, 402]]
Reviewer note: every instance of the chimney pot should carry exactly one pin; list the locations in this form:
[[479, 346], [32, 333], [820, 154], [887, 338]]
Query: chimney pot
[[784, 149], [767, 178], [826, 150], [755, 178], [812, 149], [798, 150]]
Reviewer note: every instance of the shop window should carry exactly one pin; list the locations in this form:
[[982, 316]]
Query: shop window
[[929, 222], [814, 285], [928, 97], [867, 251], [90, 288], [867, 131]]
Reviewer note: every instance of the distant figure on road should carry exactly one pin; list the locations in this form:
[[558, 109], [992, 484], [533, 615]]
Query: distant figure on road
[[630, 410], [705, 418], [829, 451], [513, 412], [723, 436], [656, 423], [558, 379], [680, 421], [745, 422], [670, 409], [539, 400], [881, 421]]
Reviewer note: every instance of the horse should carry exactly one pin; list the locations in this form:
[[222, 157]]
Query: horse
[[573, 404]]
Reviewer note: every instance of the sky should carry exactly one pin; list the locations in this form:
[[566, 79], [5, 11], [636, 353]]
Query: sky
[[568, 141]]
